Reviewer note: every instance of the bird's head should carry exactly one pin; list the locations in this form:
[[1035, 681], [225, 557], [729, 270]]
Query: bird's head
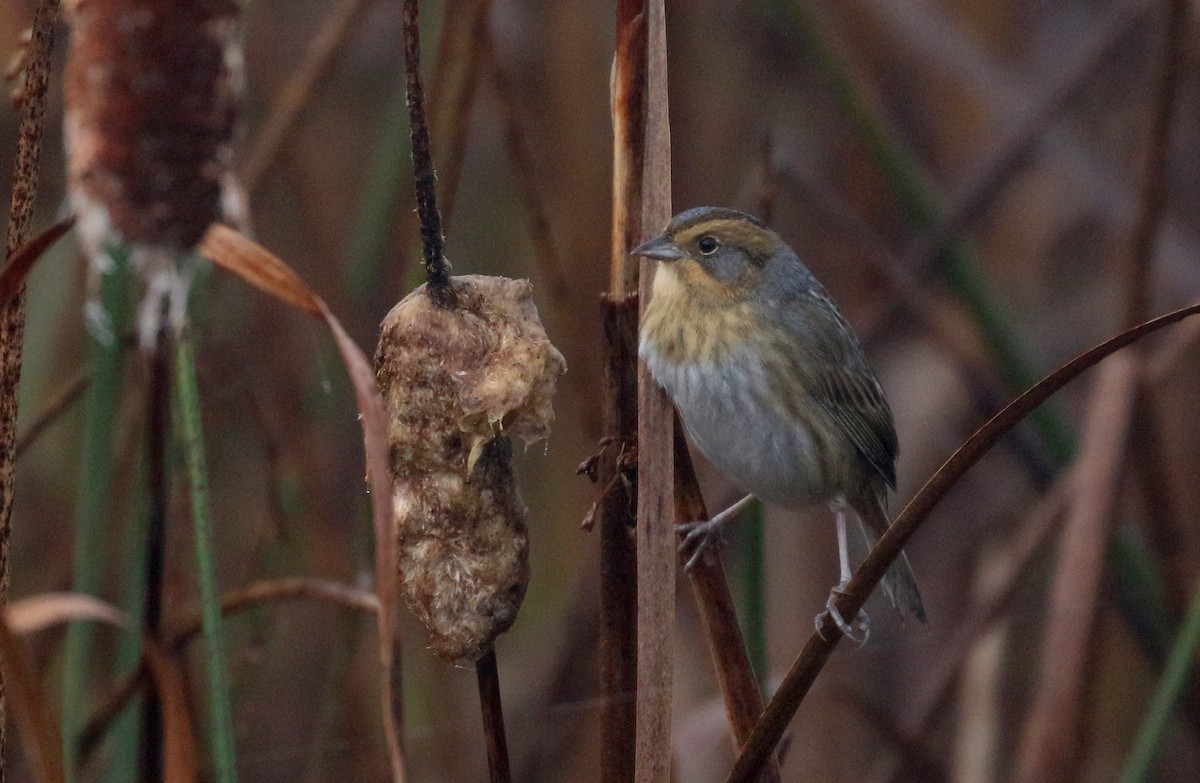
[[715, 255]]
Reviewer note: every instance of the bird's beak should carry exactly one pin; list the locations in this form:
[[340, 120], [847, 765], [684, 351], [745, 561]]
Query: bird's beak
[[660, 248]]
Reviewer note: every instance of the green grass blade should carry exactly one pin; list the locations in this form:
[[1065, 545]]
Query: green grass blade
[[188, 420], [1174, 679], [124, 743], [111, 320], [750, 584]]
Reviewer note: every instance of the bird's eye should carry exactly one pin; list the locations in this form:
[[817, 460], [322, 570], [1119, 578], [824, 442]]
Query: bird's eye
[[708, 245]]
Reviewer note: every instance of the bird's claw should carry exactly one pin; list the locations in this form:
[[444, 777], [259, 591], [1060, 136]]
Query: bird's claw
[[858, 631], [697, 537]]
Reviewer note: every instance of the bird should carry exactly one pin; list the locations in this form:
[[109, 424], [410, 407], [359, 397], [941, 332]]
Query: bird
[[772, 385]]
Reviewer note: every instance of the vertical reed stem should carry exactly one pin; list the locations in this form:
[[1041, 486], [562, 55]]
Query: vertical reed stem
[[488, 676], [187, 398], [12, 315]]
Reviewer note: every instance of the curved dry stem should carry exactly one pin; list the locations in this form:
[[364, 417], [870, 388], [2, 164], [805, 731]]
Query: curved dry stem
[[17, 268], [58, 403], [38, 732], [275, 590], [252, 595], [816, 652], [47, 610]]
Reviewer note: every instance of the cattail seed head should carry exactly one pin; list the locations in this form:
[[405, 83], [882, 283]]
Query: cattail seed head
[[150, 93], [458, 384]]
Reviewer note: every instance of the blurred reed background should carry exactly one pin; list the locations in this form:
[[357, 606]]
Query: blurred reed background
[[1032, 124]]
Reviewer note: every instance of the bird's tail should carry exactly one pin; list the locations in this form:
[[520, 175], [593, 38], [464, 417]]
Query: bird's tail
[[899, 583]]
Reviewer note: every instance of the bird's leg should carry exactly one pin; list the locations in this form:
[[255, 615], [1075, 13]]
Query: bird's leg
[[843, 547], [862, 621], [703, 533]]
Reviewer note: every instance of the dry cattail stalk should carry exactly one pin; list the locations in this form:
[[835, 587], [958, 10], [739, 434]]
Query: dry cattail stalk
[[458, 384], [150, 90]]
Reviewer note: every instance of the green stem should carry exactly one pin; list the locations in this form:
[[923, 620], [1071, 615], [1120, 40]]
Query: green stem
[[191, 430], [103, 400], [125, 740], [1174, 679], [752, 592]]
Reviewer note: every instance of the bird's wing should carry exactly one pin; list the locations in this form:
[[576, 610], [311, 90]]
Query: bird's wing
[[843, 384]]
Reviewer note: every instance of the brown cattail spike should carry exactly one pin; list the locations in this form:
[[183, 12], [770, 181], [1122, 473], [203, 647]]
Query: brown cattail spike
[[458, 385], [150, 88]]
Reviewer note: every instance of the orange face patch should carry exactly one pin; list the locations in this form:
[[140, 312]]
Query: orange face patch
[[757, 241]]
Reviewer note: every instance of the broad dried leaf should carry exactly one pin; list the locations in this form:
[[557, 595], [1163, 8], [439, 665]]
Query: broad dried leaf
[[257, 266], [23, 261], [45, 611], [37, 730]]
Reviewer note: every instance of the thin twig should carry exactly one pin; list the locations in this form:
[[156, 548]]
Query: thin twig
[[251, 596], [816, 652], [59, 403], [493, 717], [436, 269], [256, 594], [12, 316], [1174, 348], [298, 93]]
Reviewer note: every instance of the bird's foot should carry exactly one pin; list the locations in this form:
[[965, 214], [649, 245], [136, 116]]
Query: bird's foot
[[859, 630], [697, 537]]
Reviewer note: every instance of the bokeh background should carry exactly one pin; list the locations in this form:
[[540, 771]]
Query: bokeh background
[[758, 124]]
